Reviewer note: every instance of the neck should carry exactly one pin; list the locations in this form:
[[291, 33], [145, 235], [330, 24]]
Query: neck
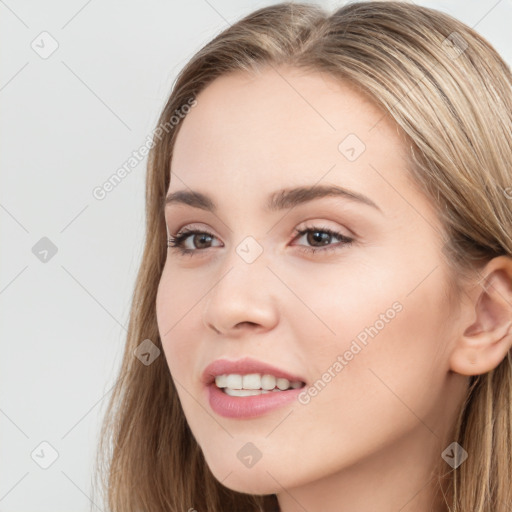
[[401, 477]]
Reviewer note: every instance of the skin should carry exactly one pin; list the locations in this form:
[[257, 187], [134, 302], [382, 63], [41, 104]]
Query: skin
[[370, 439]]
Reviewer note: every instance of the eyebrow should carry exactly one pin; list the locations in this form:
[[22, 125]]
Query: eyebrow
[[279, 200]]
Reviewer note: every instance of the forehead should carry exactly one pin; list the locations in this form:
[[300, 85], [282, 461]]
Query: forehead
[[284, 127]]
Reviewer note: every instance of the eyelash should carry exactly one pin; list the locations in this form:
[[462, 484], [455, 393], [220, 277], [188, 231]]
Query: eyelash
[[175, 242]]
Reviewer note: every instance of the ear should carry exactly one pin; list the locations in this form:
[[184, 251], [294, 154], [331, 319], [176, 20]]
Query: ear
[[486, 341]]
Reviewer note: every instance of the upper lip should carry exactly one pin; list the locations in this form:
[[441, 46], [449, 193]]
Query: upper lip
[[243, 367]]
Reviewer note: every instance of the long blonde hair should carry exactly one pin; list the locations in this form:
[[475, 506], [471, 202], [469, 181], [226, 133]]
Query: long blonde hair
[[450, 95]]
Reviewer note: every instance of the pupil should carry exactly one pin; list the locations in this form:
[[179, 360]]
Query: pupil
[[202, 237], [324, 237]]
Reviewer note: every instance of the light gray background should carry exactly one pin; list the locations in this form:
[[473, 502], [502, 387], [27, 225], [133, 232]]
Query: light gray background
[[68, 122]]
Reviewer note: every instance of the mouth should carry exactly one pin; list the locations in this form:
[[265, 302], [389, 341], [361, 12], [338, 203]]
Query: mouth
[[248, 388], [252, 384], [248, 377]]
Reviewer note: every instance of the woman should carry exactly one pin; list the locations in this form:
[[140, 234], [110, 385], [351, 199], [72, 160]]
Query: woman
[[329, 325]]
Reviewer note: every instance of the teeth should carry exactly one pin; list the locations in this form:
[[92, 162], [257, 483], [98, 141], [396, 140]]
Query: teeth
[[220, 381], [234, 381], [283, 384], [244, 392], [251, 381], [248, 392], [268, 382], [253, 384]]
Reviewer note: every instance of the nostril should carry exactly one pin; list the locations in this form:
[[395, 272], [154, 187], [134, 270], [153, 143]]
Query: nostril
[[241, 324]]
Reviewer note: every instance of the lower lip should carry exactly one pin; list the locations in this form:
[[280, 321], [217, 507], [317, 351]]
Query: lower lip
[[248, 406]]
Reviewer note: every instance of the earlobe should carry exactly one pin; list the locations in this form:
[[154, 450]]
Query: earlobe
[[485, 343], [480, 353]]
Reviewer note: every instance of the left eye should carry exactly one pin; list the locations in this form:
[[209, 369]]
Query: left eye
[[322, 236], [315, 235]]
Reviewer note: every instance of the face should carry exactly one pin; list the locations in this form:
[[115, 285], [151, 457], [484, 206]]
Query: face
[[366, 324]]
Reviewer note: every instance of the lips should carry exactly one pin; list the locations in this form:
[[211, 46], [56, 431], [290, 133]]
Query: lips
[[243, 367]]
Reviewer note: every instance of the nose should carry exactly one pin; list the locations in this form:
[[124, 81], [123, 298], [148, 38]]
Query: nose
[[242, 300]]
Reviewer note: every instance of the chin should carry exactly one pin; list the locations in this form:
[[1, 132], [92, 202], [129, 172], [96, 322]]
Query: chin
[[251, 485], [246, 480]]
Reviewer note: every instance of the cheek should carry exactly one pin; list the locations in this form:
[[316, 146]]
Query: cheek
[[382, 366], [175, 302], [368, 339], [178, 300]]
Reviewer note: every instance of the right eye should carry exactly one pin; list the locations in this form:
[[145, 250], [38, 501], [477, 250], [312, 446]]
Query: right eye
[[177, 241]]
